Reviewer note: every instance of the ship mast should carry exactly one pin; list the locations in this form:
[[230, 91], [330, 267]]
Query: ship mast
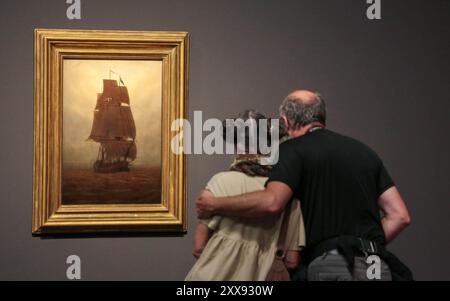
[[120, 77]]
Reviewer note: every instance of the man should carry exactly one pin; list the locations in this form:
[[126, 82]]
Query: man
[[341, 184]]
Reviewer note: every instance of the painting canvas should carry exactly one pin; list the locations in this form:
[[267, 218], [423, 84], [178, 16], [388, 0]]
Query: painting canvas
[[111, 132], [104, 105]]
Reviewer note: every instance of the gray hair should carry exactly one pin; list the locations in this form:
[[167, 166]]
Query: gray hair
[[247, 127], [300, 113]]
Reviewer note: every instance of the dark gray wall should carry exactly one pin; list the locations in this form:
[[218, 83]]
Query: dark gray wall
[[386, 83]]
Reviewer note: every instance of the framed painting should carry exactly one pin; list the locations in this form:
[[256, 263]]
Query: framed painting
[[104, 105]]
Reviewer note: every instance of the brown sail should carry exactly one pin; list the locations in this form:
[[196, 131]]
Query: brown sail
[[123, 93], [114, 128]]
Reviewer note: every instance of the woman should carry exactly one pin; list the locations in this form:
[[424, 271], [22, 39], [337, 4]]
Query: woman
[[243, 249]]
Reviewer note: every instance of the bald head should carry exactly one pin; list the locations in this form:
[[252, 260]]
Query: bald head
[[303, 96], [303, 107]]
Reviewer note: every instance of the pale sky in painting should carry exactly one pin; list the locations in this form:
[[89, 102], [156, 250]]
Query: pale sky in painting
[[83, 79]]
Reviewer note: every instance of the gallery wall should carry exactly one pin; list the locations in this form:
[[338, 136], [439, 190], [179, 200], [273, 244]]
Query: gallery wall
[[386, 82]]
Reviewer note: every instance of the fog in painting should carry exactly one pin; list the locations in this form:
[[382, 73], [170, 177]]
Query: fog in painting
[[119, 160]]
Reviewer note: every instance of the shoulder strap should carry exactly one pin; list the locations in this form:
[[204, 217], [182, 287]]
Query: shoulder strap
[[281, 245]]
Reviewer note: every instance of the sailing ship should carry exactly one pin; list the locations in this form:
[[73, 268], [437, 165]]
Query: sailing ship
[[113, 127]]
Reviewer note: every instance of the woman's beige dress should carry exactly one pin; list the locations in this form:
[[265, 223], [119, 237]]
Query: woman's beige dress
[[243, 248]]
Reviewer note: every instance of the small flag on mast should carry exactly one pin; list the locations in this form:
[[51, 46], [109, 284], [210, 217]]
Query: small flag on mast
[[111, 71]]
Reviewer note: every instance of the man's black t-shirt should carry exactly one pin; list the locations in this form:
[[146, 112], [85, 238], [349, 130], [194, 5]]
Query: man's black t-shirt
[[338, 181]]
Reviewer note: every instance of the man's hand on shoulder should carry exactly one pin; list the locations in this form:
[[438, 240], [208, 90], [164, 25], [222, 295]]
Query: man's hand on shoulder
[[205, 204]]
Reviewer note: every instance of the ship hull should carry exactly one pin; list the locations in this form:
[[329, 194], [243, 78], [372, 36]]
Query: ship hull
[[103, 167]]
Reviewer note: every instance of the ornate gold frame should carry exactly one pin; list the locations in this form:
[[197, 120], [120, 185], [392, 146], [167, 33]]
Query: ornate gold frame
[[51, 48]]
